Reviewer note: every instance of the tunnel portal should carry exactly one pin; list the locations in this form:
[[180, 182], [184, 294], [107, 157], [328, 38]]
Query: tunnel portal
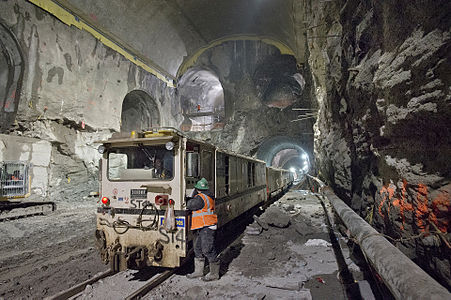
[[139, 112], [11, 73]]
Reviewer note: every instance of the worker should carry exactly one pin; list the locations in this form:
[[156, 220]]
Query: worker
[[160, 171], [204, 224]]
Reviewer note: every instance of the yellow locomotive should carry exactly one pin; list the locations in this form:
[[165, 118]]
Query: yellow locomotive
[[145, 178]]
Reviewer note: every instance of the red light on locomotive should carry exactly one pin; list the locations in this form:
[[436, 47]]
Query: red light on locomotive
[[161, 199], [105, 200], [171, 202]]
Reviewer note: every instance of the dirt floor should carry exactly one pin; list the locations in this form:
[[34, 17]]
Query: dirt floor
[[285, 253], [42, 255], [288, 256]]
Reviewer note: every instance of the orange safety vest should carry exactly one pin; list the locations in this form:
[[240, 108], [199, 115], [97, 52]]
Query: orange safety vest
[[205, 216]]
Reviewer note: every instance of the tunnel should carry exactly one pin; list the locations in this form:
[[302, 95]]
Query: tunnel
[[327, 122], [201, 100], [139, 112], [286, 153], [12, 69]]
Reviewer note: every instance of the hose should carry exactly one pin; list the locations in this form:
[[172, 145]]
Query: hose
[[125, 225]]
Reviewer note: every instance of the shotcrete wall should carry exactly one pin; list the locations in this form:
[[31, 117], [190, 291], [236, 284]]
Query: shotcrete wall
[[382, 140], [72, 93]]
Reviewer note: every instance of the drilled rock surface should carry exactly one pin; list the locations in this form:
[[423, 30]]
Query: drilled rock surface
[[72, 93], [383, 137]]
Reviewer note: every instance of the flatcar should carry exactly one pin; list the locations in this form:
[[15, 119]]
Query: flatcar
[[145, 180]]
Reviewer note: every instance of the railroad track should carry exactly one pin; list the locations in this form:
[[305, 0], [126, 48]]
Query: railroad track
[[147, 287], [226, 239]]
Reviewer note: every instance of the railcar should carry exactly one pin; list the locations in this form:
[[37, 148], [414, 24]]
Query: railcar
[[147, 177]]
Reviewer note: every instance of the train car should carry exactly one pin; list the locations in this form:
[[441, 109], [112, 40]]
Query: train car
[[146, 176], [277, 180]]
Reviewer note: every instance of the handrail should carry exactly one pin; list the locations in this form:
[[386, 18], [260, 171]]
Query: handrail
[[402, 276]]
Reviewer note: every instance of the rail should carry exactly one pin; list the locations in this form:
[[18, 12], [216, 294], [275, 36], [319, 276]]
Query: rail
[[154, 282], [402, 276], [151, 285], [66, 294]]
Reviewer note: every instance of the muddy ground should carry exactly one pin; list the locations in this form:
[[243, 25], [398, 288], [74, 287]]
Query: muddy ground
[[288, 256], [284, 254], [42, 255]]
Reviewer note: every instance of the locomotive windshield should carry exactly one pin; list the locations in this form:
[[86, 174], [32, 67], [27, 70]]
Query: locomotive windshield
[[140, 162]]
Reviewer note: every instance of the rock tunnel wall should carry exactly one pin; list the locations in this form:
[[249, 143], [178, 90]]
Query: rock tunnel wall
[[382, 140], [72, 94], [260, 91]]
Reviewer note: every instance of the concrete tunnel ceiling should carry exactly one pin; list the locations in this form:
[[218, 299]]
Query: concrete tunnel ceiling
[[182, 30]]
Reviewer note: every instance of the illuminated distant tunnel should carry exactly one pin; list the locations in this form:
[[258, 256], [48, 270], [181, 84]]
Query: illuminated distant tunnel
[[286, 153]]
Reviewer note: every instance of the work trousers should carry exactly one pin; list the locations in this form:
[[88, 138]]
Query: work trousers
[[204, 244]]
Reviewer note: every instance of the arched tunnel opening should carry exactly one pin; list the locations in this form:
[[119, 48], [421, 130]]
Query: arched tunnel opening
[[11, 73], [139, 112], [287, 153], [201, 100]]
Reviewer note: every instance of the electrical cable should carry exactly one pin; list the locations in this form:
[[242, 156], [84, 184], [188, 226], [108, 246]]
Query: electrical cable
[[119, 223]]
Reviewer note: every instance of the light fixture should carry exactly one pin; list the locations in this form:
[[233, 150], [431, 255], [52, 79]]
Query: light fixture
[[169, 146], [101, 149], [304, 156], [293, 170]]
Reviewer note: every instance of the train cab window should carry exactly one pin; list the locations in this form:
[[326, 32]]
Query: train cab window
[[192, 164], [140, 163], [192, 161], [207, 165]]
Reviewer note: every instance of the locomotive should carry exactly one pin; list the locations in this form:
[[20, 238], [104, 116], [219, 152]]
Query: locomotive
[[145, 181]]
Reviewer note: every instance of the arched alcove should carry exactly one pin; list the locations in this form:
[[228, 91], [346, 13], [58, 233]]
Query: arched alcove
[[277, 81], [139, 112], [201, 100], [11, 74]]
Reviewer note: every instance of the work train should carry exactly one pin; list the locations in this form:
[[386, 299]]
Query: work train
[[145, 180]]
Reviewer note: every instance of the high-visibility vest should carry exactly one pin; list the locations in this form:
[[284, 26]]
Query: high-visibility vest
[[205, 216]]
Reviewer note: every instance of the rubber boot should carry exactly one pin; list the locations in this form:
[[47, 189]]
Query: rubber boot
[[198, 268], [213, 274]]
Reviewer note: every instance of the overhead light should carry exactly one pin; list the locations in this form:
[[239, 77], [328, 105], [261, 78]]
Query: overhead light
[[304, 156], [292, 170]]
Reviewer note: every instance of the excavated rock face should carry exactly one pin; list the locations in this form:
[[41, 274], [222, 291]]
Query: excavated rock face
[[261, 87], [72, 95], [383, 139]]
